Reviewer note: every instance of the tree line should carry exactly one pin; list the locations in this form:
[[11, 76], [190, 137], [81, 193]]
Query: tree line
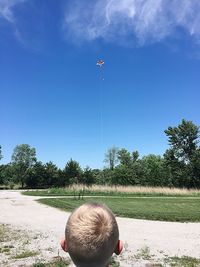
[[178, 167]]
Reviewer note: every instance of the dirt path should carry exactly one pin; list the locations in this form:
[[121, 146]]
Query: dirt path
[[140, 236]]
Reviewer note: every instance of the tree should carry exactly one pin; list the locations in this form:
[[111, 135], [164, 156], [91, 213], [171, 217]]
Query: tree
[[103, 177], [7, 175], [135, 156], [182, 157], [127, 158], [88, 176], [97, 173], [155, 171], [195, 169], [0, 153], [51, 172], [62, 180], [73, 171], [123, 175], [45, 176], [124, 157], [36, 176], [111, 157], [183, 140], [176, 169], [23, 158]]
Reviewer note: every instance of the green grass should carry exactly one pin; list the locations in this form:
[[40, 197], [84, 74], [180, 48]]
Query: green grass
[[5, 249], [144, 253], [154, 265], [3, 232], [114, 263], [56, 263], [183, 262], [63, 263], [26, 254], [163, 209], [172, 262]]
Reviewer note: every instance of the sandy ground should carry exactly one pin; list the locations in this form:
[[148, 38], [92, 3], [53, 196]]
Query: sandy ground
[[45, 227]]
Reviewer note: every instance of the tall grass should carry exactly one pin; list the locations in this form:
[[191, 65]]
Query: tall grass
[[135, 189], [105, 190]]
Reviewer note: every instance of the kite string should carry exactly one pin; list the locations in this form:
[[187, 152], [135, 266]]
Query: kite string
[[100, 63], [102, 74], [101, 112]]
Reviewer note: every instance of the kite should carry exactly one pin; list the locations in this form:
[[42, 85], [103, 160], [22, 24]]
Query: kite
[[100, 63]]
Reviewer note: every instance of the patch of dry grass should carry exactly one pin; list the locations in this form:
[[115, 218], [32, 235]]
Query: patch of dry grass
[[136, 189]]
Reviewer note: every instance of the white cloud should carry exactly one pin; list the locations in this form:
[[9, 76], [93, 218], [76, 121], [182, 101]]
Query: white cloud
[[6, 9], [145, 20]]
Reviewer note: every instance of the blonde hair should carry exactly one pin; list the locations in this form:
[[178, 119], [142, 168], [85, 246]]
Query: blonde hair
[[91, 234]]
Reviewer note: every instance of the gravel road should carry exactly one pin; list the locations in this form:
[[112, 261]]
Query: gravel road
[[141, 237]]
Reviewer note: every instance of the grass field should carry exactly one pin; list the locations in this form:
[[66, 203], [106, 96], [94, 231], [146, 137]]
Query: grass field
[[97, 190], [163, 209]]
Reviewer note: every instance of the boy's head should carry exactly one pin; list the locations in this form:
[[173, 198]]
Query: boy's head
[[91, 235]]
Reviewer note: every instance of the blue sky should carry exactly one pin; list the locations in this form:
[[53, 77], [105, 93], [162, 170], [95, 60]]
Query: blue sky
[[52, 94]]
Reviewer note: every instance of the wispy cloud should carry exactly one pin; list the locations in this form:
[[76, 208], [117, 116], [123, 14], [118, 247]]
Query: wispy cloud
[[6, 9], [7, 13], [143, 20]]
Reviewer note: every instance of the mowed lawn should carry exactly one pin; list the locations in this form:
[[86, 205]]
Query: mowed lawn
[[151, 208]]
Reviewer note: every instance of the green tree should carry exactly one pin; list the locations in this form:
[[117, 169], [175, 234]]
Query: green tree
[[182, 157], [124, 157], [62, 180], [123, 175], [135, 156], [139, 172], [23, 158], [51, 172], [126, 173], [88, 176], [195, 169], [7, 175], [0, 153], [127, 158], [155, 171], [97, 173], [111, 157], [176, 168], [43, 175], [103, 177], [36, 176], [73, 171], [183, 140]]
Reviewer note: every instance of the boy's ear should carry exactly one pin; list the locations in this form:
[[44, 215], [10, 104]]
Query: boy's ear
[[119, 247], [63, 244]]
